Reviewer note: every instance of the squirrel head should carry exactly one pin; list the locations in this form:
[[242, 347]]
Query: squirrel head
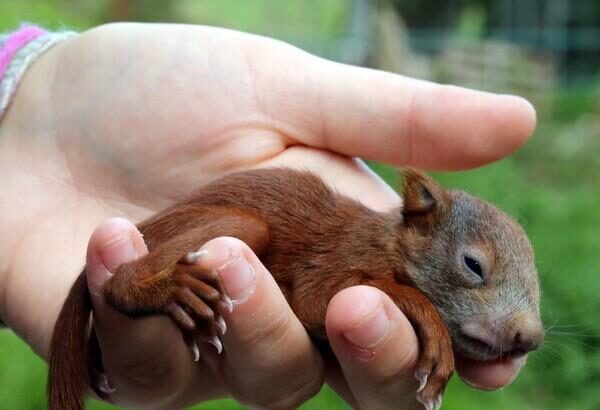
[[476, 265]]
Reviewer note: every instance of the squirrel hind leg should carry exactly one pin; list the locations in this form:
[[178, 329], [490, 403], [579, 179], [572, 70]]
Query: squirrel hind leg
[[198, 299], [190, 294], [173, 280]]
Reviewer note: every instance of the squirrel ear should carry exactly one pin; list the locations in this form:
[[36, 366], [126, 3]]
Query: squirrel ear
[[421, 194]]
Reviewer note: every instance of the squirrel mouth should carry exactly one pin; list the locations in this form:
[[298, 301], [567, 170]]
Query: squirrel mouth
[[475, 349]]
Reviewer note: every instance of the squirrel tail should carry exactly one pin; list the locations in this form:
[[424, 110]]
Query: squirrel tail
[[68, 377]]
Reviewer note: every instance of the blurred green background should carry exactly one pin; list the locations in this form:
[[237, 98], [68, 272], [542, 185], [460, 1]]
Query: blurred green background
[[548, 51]]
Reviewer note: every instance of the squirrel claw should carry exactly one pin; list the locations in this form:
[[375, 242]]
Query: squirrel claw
[[104, 385], [434, 404], [422, 379], [227, 303], [220, 325], [216, 342], [192, 257], [195, 351], [437, 403]]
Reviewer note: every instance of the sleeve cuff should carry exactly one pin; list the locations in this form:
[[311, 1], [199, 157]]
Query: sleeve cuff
[[18, 51]]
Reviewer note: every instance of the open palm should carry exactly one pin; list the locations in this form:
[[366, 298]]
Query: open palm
[[126, 119]]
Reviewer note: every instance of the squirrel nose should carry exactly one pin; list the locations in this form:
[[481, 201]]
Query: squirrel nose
[[514, 338], [527, 339]]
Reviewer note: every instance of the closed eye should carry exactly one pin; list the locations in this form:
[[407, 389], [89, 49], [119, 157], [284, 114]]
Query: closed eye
[[473, 265]]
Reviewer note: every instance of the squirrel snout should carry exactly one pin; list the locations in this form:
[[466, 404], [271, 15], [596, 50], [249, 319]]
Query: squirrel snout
[[512, 338], [526, 341]]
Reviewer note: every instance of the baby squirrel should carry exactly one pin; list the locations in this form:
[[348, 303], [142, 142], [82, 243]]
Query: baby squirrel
[[461, 271]]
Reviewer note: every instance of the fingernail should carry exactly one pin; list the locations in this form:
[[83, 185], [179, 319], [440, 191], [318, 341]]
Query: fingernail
[[117, 252], [371, 330], [238, 278]]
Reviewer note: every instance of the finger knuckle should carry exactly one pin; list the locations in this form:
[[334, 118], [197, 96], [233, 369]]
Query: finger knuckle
[[388, 372], [147, 374], [272, 330], [387, 376]]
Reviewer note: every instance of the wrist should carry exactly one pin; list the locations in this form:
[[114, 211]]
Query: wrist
[[37, 209]]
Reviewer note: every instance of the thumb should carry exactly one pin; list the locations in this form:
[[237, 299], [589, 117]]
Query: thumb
[[115, 242], [360, 112], [134, 351]]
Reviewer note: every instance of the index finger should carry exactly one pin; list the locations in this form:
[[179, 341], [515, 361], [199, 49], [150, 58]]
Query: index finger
[[376, 347], [489, 375], [268, 359]]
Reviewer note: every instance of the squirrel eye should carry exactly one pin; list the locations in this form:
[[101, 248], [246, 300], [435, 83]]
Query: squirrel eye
[[473, 266]]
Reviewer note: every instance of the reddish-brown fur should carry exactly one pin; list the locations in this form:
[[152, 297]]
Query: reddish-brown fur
[[314, 241]]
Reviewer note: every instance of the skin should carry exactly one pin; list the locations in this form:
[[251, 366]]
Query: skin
[[126, 119]]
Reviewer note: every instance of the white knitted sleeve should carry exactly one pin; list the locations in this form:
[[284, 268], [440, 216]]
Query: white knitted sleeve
[[22, 60]]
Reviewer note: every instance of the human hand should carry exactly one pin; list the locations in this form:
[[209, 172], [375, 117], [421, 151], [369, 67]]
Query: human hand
[[139, 115]]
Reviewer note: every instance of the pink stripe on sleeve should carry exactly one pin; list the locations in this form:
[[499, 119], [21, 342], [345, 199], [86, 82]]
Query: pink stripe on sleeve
[[14, 42]]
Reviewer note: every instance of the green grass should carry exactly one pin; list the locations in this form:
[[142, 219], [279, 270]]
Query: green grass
[[23, 378]]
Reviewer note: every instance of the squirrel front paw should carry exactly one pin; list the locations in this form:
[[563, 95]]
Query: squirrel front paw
[[436, 361], [434, 368]]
